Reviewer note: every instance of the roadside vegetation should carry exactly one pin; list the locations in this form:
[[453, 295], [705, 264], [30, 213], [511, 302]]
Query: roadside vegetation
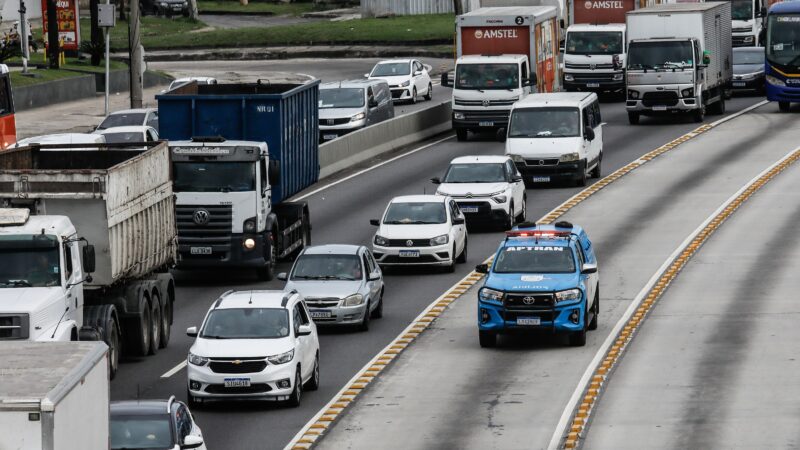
[[260, 7], [73, 68]]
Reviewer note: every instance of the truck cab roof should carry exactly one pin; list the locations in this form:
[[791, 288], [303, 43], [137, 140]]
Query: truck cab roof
[[588, 27], [500, 59], [55, 225], [234, 150]]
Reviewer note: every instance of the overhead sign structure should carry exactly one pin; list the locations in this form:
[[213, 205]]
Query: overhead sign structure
[[69, 33]]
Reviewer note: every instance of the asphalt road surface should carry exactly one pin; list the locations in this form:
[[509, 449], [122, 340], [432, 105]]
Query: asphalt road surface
[[341, 215]]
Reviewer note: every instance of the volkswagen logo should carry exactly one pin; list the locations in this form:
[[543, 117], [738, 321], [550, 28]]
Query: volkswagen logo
[[409, 243], [541, 162], [528, 300], [592, 66], [201, 217], [485, 102]]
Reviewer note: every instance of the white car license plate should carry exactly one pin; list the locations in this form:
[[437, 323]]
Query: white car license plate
[[409, 253], [591, 85], [469, 209], [529, 321], [541, 179], [328, 137], [237, 382], [320, 314], [659, 108], [486, 124], [738, 84], [200, 250]]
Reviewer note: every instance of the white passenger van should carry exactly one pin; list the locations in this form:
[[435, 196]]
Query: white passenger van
[[556, 137]]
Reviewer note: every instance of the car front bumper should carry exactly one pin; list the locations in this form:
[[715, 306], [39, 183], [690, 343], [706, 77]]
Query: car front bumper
[[483, 210], [478, 119], [756, 83], [554, 320], [338, 315], [402, 93], [263, 384], [584, 82], [439, 255], [568, 171]]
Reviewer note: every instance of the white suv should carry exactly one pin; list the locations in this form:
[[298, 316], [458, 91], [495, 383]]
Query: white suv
[[254, 345], [486, 188], [421, 230]]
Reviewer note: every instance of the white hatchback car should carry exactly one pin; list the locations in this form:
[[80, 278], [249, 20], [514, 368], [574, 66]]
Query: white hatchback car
[[407, 78], [129, 134], [421, 230], [254, 345], [131, 117], [488, 189]]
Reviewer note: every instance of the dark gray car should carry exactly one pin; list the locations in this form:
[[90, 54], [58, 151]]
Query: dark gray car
[[748, 69]]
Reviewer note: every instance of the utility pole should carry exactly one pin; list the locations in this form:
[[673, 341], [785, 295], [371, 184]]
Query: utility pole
[[97, 38], [135, 54], [23, 35], [458, 7], [53, 49]]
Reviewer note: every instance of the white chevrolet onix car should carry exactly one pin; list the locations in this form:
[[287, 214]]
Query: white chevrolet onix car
[[421, 230], [488, 189], [254, 345], [407, 78]]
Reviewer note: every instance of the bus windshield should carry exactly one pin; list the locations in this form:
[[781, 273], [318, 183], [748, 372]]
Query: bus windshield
[[783, 39]]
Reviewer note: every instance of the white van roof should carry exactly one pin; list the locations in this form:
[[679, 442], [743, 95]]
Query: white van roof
[[556, 99]]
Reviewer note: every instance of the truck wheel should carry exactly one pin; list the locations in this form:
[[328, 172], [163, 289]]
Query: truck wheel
[[699, 114], [155, 325], [166, 323], [102, 319], [487, 339], [633, 118], [267, 272], [718, 107], [461, 134], [137, 333], [784, 106]]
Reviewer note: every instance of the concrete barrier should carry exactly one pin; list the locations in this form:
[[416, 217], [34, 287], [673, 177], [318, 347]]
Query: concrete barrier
[[367, 143]]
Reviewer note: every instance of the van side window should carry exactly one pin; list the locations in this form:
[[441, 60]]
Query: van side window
[[597, 117], [524, 70], [587, 119]]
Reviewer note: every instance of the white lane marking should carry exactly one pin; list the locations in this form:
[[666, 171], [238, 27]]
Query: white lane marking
[[735, 115], [174, 370], [566, 415], [368, 169]]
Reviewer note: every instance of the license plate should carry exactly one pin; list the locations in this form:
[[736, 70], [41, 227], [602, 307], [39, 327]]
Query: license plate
[[409, 253], [591, 85], [486, 124], [469, 209], [541, 179], [738, 84], [237, 382], [200, 250], [320, 314], [529, 321], [328, 137], [659, 108]]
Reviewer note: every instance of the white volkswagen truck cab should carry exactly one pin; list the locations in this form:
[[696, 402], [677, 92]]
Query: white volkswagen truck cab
[[594, 58]]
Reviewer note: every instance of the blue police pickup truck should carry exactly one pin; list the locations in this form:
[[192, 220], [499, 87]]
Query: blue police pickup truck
[[542, 278]]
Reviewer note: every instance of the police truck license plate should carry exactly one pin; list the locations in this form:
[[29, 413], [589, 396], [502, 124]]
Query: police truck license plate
[[738, 84], [469, 209], [529, 320], [593, 85], [659, 108], [409, 253], [200, 250], [320, 314], [237, 382], [486, 124], [541, 179]]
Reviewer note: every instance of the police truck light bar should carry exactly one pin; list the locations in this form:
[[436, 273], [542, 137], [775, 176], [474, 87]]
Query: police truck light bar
[[539, 234]]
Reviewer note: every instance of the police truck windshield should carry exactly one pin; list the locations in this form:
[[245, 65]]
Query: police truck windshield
[[660, 55], [535, 259], [783, 40], [487, 76], [594, 42]]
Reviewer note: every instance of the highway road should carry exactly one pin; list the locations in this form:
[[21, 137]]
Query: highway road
[[340, 215], [446, 391]]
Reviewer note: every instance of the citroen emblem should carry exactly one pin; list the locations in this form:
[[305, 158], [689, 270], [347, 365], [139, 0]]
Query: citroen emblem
[[409, 243], [201, 217], [469, 195], [485, 102], [528, 300]]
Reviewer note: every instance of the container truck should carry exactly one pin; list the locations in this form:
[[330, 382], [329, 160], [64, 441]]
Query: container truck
[[503, 54], [54, 396], [679, 59], [239, 151], [86, 240]]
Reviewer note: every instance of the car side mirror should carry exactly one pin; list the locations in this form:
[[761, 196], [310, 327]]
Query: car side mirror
[[762, 12], [366, 75], [191, 331], [588, 133], [445, 79], [191, 441], [88, 259], [534, 80], [436, 180], [304, 330], [516, 179], [417, 73], [458, 221], [374, 276], [589, 268], [482, 268], [375, 222], [282, 276]]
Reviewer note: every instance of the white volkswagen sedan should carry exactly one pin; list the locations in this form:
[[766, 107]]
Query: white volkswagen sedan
[[488, 189], [421, 230], [407, 78]]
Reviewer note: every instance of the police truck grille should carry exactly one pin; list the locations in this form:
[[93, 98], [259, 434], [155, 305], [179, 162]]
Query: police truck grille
[[529, 301]]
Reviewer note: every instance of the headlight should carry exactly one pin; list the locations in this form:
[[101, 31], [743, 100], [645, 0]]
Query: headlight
[[197, 360], [458, 115], [353, 300], [618, 76], [440, 240], [633, 95], [749, 38], [249, 225], [751, 76], [438, 192], [405, 83], [688, 92], [380, 240], [357, 117], [500, 198], [490, 295], [568, 77], [517, 158], [283, 358], [568, 295], [774, 81], [249, 244], [568, 157]]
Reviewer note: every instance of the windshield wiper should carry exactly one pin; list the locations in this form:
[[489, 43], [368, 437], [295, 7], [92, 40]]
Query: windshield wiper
[[24, 283], [208, 336]]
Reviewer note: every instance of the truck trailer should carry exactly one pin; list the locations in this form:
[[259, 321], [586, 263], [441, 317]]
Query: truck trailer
[[86, 239]]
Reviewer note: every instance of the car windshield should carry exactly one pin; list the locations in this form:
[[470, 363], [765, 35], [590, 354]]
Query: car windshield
[[475, 173], [783, 39], [122, 120], [741, 9], [341, 98], [594, 42], [660, 55], [535, 259], [124, 138], [214, 177], [141, 432], [411, 213], [487, 76], [748, 56], [327, 267], [246, 323], [391, 69], [29, 261], [544, 122]]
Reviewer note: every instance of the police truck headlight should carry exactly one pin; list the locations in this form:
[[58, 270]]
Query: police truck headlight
[[197, 360], [688, 92], [774, 81], [440, 240], [380, 240], [353, 300], [568, 295], [569, 157], [490, 295]]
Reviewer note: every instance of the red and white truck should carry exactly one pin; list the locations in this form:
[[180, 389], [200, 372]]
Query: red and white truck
[[503, 54]]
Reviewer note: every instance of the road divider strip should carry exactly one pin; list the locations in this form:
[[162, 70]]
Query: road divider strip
[[607, 359], [315, 429]]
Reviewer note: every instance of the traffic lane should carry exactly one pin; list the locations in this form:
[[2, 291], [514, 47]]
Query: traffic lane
[[512, 397], [364, 197], [718, 353]]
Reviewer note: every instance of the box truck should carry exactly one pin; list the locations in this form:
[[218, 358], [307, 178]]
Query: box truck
[[679, 59], [86, 240], [238, 153], [503, 54], [54, 396]]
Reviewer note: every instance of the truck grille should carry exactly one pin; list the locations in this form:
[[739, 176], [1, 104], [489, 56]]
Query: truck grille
[[738, 41], [588, 66], [487, 115], [216, 230], [237, 367], [488, 102], [322, 302], [530, 301], [14, 326], [588, 77], [665, 98]]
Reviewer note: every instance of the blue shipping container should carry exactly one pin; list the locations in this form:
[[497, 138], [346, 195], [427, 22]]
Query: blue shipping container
[[285, 116]]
